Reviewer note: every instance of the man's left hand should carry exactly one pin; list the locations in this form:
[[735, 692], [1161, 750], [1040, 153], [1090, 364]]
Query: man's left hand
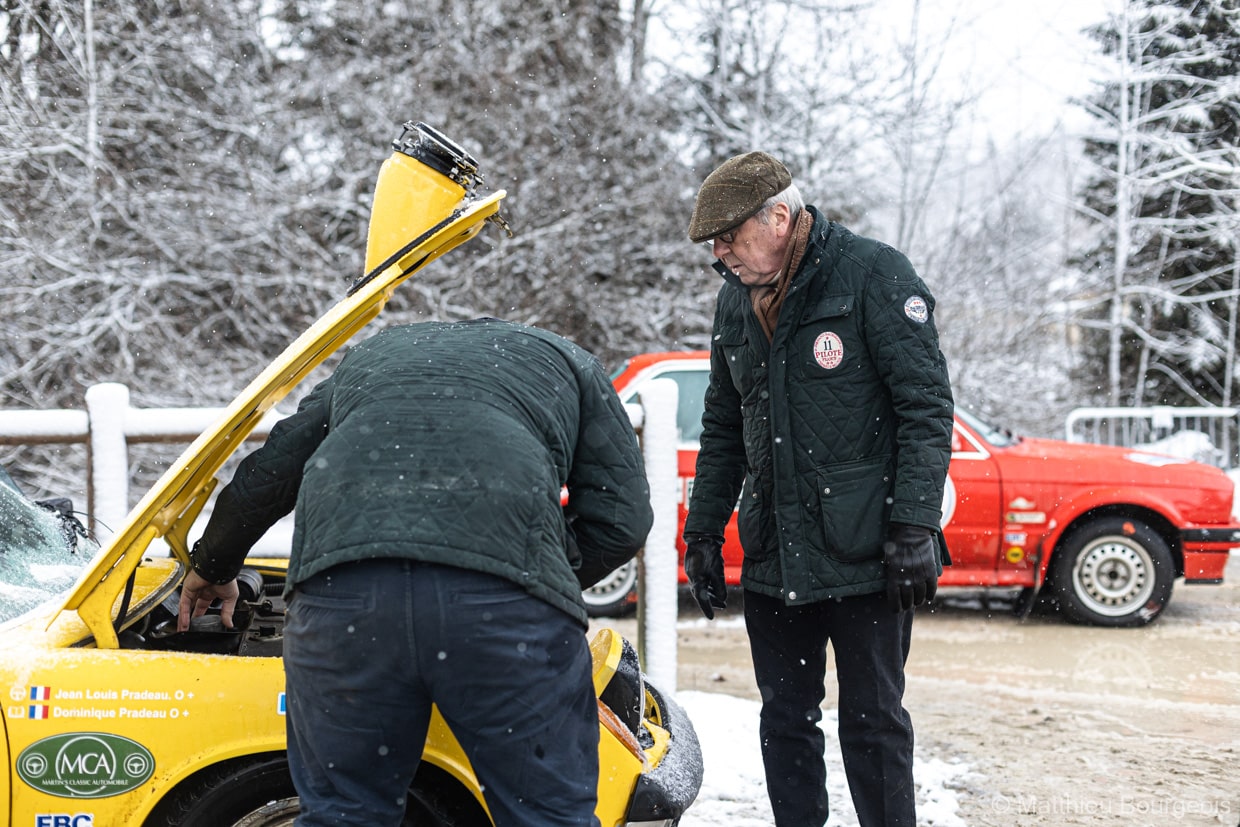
[[912, 566], [197, 595]]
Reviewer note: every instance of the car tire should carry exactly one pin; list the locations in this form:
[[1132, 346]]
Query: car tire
[[1113, 571], [259, 792], [437, 799], [248, 792], [611, 596]]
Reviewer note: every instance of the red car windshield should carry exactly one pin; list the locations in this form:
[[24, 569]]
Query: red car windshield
[[998, 437]]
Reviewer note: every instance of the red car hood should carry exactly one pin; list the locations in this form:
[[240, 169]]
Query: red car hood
[[1053, 460]]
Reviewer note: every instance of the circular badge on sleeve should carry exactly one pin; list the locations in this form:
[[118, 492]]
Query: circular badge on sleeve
[[828, 350], [915, 308]]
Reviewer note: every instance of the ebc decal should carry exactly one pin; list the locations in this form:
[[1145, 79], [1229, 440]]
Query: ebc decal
[[65, 820], [85, 765]]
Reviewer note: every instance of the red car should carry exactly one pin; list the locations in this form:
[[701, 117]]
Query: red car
[[1104, 530]]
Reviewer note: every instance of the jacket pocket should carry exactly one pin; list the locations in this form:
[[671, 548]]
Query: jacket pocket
[[731, 339], [828, 307], [828, 344], [854, 498], [730, 335], [755, 522]]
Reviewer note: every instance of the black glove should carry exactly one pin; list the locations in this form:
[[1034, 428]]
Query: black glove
[[704, 568], [912, 566]]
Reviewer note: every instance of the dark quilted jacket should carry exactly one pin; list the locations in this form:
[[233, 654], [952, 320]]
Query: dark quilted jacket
[[837, 427], [449, 443]]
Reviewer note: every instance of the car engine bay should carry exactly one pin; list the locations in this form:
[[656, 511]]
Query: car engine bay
[[258, 623]]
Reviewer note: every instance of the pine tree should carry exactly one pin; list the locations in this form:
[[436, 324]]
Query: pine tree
[[1162, 276]]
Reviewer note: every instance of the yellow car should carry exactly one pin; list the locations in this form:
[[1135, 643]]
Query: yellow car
[[113, 718]]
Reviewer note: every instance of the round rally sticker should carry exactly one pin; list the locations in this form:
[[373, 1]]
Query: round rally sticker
[[915, 309], [828, 350]]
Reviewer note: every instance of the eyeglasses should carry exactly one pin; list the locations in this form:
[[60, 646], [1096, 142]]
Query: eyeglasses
[[727, 238]]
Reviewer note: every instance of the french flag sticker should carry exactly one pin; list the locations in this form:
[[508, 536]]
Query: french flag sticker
[[38, 712], [40, 693]]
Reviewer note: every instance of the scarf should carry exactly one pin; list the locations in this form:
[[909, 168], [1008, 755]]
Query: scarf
[[769, 298]]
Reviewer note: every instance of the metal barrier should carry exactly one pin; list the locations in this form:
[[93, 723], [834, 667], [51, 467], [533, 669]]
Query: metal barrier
[[1210, 435], [107, 428]]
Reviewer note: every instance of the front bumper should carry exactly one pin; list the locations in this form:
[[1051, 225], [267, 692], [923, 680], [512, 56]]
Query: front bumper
[[663, 794], [1206, 551]]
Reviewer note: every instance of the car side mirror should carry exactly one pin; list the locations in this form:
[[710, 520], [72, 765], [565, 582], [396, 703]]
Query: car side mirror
[[60, 505]]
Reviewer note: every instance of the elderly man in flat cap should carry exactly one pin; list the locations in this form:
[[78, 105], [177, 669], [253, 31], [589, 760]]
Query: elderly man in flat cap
[[829, 417]]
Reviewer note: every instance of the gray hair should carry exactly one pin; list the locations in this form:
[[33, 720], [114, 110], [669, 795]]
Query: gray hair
[[789, 195]]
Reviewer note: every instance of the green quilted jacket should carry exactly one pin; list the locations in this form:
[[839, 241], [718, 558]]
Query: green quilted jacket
[[837, 427], [449, 443]]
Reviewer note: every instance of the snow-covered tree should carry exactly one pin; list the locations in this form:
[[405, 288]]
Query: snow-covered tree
[[784, 77], [151, 233], [544, 96], [997, 270], [1159, 300], [187, 183], [918, 117]]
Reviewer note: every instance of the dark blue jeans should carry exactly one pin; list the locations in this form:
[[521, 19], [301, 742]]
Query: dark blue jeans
[[871, 644], [369, 646]]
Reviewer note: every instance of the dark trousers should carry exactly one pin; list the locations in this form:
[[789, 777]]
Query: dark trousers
[[370, 645], [871, 644]]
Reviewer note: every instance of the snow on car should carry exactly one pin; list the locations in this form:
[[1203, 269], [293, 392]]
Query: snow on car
[[1104, 531]]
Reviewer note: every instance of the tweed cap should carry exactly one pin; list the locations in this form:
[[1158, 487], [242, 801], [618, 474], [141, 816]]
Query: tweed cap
[[734, 192]]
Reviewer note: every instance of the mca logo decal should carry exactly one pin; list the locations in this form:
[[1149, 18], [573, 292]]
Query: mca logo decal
[[85, 765]]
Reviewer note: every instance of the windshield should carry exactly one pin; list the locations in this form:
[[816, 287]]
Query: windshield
[[691, 382], [998, 437], [40, 557]]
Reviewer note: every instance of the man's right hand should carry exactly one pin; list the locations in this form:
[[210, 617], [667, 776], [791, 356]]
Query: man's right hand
[[197, 595], [704, 568]]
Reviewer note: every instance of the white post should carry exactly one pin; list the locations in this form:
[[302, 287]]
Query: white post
[[656, 632], [106, 405]]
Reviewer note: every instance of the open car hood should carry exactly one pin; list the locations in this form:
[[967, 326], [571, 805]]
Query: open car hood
[[424, 205]]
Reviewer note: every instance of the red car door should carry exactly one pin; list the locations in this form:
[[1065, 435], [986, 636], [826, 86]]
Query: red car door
[[972, 511]]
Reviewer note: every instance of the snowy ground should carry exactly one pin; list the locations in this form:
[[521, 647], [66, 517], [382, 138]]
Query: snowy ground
[[733, 792], [1034, 722]]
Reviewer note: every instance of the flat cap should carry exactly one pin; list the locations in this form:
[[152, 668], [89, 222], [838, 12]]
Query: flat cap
[[734, 192]]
